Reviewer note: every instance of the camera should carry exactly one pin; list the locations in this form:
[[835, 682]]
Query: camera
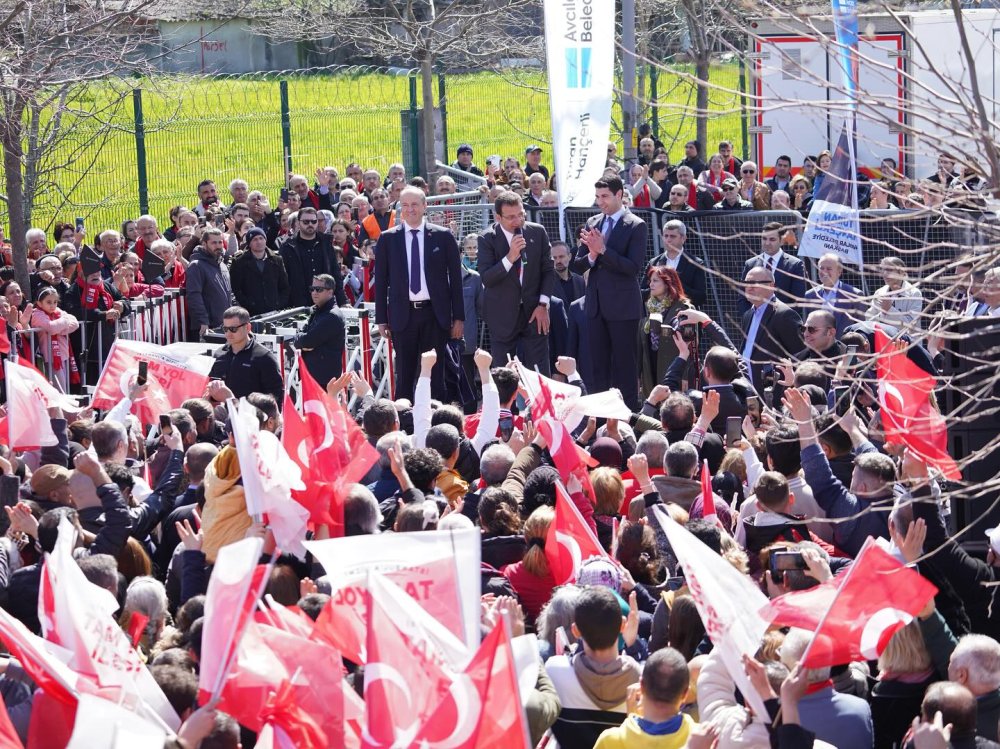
[[688, 332], [767, 376]]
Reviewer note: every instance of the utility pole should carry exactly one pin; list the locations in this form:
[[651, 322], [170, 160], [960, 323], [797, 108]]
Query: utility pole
[[629, 109]]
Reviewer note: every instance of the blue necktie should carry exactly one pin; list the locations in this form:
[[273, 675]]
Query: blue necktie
[[415, 262], [609, 226]]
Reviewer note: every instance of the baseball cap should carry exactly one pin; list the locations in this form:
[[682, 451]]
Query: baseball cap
[[464, 148], [532, 148], [49, 478], [729, 182]]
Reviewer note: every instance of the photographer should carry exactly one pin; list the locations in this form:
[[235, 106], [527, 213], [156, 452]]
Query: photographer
[[656, 346], [724, 370]]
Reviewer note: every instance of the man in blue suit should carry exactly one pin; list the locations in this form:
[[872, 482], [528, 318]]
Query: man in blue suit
[[840, 298], [418, 292], [789, 272], [613, 250]]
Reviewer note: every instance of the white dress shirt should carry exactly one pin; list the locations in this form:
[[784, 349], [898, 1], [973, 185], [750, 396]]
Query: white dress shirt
[[423, 295], [507, 264]]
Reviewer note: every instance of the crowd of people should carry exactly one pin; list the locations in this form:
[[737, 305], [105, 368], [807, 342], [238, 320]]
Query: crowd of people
[[787, 420]]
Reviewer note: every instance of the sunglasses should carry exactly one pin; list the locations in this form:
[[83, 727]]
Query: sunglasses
[[749, 171], [811, 328], [308, 221], [728, 189], [233, 328], [318, 289]]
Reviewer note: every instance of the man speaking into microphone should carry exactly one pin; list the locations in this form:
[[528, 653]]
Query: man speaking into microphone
[[515, 265]]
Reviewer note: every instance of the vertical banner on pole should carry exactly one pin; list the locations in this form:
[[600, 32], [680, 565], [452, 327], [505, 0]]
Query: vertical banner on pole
[[580, 53]]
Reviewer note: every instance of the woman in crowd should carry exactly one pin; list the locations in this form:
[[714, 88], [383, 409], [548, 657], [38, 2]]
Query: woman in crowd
[[898, 302], [124, 280], [656, 344], [15, 297], [531, 578], [129, 234], [53, 340], [715, 175], [823, 162], [800, 190]]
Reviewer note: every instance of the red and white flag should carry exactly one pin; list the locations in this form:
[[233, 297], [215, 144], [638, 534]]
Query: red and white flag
[[407, 674], [236, 584], [727, 600], [175, 373], [44, 662], [29, 396], [78, 616], [908, 417], [438, 569], [329, 447], [269, 476], [854, 615], [708, 496], [8, 736], [101, 723], [571, 540]]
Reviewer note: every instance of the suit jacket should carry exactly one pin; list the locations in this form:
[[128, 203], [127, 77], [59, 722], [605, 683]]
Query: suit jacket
[[505, 295], [691, 270], [612, 288], [778, 337], [847, 305], [578, 341], [789, 279], [442, 271], [576, 282]]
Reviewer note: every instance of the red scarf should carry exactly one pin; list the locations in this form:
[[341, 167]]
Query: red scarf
[[58, 356], [91, 296]]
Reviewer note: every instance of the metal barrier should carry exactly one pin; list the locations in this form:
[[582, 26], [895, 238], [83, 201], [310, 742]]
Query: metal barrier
[[464, 180], [159, 320]]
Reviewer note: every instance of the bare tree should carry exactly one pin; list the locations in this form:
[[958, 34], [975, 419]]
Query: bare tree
[[422, 33]]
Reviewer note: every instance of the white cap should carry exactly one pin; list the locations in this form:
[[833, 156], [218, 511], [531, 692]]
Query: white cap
[[994, 536]]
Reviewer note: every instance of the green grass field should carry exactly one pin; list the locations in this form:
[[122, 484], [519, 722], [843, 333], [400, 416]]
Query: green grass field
[[225, 128]]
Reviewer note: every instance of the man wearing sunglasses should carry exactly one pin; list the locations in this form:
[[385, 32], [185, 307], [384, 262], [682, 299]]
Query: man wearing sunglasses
[[322, 339], [309, 254], [243, 364]]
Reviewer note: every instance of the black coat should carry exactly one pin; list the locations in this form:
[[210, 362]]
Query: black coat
[[303, 260], [92, 320], [691, 270], [778, 337], [789, 279], [324, 336], [253, 369], [612, 290], [259, 291]]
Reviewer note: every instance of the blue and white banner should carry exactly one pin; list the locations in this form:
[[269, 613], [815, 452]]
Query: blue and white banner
[[834, 225], [580, 56], [845, 25]]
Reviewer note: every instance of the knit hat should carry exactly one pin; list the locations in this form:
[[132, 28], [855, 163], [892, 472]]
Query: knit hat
[[464, 148], [254, 232], [607, 452], [49, 478]]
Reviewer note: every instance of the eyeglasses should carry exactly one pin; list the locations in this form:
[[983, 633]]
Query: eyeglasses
[[308, 221], [233, 328], [318, 289], [749, 171], [812, 328]]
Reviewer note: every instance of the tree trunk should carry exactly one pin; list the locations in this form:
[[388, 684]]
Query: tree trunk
[[10, 139], [702, 71], [427, 104]]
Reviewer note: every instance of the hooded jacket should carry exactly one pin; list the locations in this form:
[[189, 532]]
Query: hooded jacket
[[224, 520]]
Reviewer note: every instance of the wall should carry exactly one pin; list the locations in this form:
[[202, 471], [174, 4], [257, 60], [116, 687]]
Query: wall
[[228, 49]]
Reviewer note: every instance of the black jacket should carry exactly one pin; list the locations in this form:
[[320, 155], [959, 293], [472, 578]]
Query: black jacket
[[91, 320], [253, 369], [259, 291], [303, 260], [323, 335], [690, 269]]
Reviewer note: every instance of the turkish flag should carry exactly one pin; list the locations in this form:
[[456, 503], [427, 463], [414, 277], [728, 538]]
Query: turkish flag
[[233, 589], [707, 496], [463, 720], [331, 449], [29, 395], [543, 405], [571, 460], [908, 417], [406, 675], [855, 614], [571, 539], [284, 711]]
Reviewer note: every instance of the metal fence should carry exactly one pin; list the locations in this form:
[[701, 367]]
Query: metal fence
[[129, 148]]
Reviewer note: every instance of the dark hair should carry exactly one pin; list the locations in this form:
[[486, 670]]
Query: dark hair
[[313, 604], [328, 281], [120, 476], [225, 734], [815, 393], [80, 430], [205, 183], [723, 362], [782, 446], [771, 490], [179, 686], [696, 144], [810, 373], [506, 380], [598, 617], [48, 526], [192, 610], [685, 630], [783, 157], [307, 209], [192, 638], [423, 466], [878, 465], [444, 439], [240, 313], [265, 403], [706, 532], [199, 408], [539, 489], [854, 338], [448, 414], [830, 433], [772, 226], [614, 184], [638, 553], [657, 165], [507, 197], [380, 418], [677, 412], [498, 513], [283, 584], [105, 437], [410, 519], [60, 228]]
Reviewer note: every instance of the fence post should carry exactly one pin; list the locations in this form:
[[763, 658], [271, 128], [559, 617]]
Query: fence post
[[286, 131], [140, 150], [744, 131], [653, 79], [414, 166], [443, 104]]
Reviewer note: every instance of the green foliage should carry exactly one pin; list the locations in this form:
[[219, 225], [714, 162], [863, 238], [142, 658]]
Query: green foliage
[[224, 128]]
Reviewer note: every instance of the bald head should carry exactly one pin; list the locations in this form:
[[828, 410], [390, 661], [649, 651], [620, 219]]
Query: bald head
[[197, 458], [956, 704]]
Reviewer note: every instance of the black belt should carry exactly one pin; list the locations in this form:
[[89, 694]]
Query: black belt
[[421, 304]]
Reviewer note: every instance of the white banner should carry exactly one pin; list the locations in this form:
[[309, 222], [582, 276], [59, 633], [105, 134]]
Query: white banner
[[580, 54]]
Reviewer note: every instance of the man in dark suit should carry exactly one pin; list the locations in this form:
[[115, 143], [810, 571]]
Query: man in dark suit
[[613, 250], [418, 292], [840, 298], [569, 286], [578, 342], [515, 264], [789, 272], [690, 268], [771, 327]]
